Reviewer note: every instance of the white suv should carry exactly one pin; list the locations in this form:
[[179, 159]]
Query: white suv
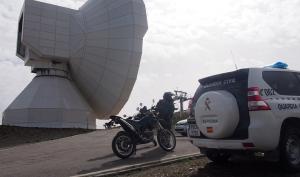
[[254, 109]]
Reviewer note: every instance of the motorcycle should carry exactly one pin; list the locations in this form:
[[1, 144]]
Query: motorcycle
[[137, 132]]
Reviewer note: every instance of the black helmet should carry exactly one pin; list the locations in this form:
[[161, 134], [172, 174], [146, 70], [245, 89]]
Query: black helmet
[[168, 96]]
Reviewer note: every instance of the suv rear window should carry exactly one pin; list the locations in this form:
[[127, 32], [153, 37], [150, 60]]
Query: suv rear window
[[284, 83]]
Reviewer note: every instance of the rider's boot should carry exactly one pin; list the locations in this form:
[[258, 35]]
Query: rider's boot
[[154, 142]]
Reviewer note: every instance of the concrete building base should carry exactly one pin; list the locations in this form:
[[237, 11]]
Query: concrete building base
[[50, 102]]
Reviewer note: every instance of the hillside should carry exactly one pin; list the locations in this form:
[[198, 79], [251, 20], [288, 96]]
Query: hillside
[[13, 136]]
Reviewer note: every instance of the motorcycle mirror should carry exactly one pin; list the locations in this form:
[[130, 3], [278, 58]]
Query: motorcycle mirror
[[124, 115], [141, 104]]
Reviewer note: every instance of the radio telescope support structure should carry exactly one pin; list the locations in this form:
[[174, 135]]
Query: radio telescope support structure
[[86, 62]]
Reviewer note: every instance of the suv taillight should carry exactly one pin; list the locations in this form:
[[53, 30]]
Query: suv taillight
[[255, 101]]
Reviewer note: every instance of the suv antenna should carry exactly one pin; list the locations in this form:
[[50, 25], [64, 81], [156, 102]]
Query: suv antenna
[[233, 58]]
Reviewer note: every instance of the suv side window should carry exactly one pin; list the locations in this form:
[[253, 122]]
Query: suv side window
[[284, 83]]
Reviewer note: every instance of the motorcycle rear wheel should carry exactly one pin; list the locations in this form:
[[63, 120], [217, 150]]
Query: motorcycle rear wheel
[[166, 140], [123, 145]]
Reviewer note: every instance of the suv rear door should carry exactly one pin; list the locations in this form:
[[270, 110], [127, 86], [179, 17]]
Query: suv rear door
[[237, 84]]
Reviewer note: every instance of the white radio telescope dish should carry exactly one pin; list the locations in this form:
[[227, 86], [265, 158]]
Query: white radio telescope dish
[[86, 62]]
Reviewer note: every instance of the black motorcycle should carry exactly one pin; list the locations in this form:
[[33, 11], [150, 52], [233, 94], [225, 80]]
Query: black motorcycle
[[141, 131]]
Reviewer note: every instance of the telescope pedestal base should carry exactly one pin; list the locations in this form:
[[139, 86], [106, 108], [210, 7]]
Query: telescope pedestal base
[[50, 102]]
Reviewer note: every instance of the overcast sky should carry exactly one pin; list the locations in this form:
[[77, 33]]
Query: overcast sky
[[186, 40]]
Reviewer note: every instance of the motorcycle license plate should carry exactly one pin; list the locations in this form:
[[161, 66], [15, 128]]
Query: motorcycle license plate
[[194, 131]]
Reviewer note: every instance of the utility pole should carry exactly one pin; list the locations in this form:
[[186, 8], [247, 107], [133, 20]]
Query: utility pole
[[182, 97]]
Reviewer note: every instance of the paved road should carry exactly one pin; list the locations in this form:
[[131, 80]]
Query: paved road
[[77, 155]]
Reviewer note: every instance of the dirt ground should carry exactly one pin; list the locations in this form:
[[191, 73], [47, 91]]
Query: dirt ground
[[14, 136], [204, 168]]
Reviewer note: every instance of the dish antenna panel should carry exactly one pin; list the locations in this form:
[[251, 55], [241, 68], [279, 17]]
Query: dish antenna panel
[[86, 62]]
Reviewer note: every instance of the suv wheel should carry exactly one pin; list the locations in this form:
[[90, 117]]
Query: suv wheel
[[290, 149], [218, 156]]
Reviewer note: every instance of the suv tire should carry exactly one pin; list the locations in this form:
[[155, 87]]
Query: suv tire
[[290, 149], [218, 156]]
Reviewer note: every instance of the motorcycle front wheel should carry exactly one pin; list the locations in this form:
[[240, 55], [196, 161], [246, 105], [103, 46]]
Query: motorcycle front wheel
[[166, 140], [123, 145]]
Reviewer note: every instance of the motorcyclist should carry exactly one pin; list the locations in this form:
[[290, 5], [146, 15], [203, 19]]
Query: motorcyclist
[[165, 109]]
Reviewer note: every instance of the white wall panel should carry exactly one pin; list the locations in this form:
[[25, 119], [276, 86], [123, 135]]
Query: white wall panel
[[102, 45]]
